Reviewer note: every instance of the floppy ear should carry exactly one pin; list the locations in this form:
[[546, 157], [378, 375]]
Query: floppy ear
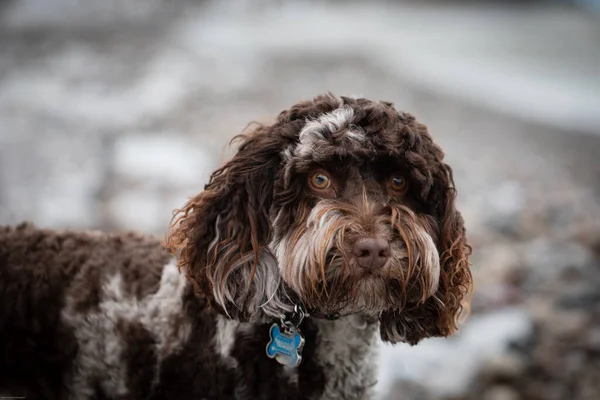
[[221, 235], [439, 314]]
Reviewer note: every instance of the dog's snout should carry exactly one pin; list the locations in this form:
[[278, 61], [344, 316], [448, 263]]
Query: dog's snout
[[371, 253]]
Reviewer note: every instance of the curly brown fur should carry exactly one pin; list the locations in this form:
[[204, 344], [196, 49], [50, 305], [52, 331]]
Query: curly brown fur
[[40, 272], [86, 315]]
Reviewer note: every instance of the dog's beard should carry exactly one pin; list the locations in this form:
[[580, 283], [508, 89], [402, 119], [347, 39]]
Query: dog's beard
[[315, 261]]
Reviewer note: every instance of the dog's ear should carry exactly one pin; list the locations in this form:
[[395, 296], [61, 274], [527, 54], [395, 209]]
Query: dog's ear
[[438, 315], [221, 235]]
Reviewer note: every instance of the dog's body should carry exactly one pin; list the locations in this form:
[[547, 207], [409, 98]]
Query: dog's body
[[93, 316], [342, 209]]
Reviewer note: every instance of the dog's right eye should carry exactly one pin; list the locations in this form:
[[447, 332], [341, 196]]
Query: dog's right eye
[[320, 181]]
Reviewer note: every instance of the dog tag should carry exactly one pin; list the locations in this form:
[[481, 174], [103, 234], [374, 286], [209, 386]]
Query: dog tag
[[285, 345]]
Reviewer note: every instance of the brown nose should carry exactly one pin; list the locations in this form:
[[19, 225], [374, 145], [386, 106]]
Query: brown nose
[[371, 253]]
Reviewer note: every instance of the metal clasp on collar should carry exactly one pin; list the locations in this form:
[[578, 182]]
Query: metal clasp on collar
[[295, 318]]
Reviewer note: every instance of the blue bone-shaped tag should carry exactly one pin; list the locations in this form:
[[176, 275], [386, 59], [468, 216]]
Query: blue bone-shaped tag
[[285, 347]]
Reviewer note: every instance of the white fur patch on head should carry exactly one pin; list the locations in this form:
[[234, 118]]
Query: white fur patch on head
[[288, 162], [356, 134], [100, 356], [312, 133], [332, 121]]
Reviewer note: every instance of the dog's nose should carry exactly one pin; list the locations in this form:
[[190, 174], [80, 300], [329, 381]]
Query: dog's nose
[[371, 253]]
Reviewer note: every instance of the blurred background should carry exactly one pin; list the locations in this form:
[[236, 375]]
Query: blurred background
[[113, 112]]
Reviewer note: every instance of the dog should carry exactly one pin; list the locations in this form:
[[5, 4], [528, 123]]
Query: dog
[[329, 230]]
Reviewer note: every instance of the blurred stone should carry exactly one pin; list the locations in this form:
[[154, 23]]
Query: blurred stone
[[568, 325], [501, 392], [574, 362], [546, 391], [506, 206], [548, 259], [584, 296], [502, 262], [405, 390], [589, 384], [593, 339], [504, 366], [495, 295], [498, 279], [540, 309]]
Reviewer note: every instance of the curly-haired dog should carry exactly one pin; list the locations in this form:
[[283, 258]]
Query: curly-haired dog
[[329, 229]]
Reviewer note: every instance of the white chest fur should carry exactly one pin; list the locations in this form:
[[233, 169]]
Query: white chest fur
[[347, 350]]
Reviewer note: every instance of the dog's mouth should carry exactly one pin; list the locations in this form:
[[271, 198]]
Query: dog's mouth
[[329, 279], [349, 288]]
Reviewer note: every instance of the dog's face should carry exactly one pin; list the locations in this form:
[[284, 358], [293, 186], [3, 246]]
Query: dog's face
[[344, 205], [354, 237]]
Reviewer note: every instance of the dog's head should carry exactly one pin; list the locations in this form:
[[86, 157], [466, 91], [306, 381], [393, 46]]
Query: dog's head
[[344, 205]]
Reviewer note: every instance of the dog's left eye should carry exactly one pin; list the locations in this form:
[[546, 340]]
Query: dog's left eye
[[397, 183], [320, 181]]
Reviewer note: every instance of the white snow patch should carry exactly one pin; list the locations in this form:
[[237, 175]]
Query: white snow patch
[[49, 89], [77, 13], [140, 210], [163, 158]]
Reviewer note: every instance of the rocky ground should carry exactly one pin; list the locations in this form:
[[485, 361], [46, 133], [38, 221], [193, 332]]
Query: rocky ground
[[111, 119]]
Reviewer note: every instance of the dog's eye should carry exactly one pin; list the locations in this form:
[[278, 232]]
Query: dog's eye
[[397, 183], [320, 181]]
